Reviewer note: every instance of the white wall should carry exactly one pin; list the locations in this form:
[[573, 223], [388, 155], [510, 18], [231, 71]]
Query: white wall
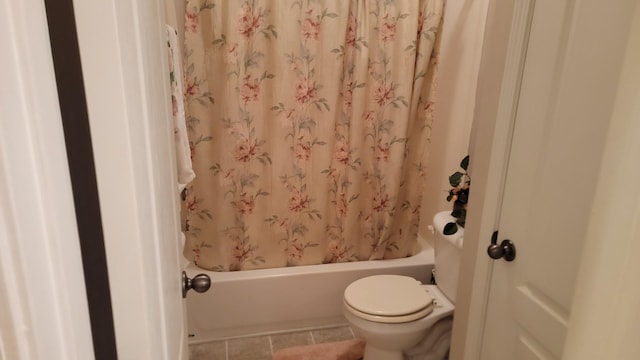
[[605, 310], [459, 63], [174, 10]]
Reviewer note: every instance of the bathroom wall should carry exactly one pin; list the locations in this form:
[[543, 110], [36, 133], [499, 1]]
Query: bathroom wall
[[175, 16], [610, 272], [459, 63], [460, 52]]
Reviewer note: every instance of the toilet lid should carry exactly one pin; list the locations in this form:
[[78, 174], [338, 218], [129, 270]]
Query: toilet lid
[[388, 296]]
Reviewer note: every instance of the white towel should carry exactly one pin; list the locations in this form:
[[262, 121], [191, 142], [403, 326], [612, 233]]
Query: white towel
[[183, 151], [435, 345]]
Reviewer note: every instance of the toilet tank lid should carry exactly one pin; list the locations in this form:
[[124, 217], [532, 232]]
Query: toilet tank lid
[[443, 218]]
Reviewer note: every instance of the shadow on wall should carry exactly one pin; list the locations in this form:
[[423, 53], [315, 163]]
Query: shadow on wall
[[459, 63]]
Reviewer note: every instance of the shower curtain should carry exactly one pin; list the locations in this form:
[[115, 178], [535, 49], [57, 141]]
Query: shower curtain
[[309, 124]]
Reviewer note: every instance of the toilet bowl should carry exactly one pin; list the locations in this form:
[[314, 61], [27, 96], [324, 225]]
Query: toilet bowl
[[389, 332], [393, 313]]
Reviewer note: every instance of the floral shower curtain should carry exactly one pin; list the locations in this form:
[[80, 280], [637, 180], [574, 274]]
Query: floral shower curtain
[[309, 123]]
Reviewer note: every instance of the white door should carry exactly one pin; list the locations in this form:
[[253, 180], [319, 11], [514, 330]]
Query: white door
[[568, 86], [43, 304], [124, 61]]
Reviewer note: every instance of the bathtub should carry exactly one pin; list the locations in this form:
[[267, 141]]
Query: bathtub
[[254, 302]]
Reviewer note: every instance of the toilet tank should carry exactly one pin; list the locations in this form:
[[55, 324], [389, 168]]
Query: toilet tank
[[447, 250]]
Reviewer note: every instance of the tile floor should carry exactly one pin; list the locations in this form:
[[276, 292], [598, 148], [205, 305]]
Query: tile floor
[[263, 347]]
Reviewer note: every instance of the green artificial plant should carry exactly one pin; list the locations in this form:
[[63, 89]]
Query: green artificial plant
[[459, 194]]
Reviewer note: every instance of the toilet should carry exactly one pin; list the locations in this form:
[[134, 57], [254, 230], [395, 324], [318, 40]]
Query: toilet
[[393, 313]]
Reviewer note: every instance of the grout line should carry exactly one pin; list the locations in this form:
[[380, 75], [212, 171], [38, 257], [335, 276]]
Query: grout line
[[268, 333], [313, 340], [271, 345]]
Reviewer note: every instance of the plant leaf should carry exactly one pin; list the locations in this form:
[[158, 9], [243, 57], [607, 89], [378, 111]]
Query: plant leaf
[[450, 228], [455, 178], [465, 163]]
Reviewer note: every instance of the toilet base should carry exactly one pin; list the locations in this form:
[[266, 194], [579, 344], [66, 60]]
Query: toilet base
[[387, 341]]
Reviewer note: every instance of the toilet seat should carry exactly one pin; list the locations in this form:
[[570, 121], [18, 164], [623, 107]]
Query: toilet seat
[[388, 299]]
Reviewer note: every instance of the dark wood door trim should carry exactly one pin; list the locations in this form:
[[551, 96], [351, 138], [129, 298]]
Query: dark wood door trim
[[75, 121]]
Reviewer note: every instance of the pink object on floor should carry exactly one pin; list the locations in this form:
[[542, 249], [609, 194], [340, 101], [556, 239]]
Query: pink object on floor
[[342, 350]]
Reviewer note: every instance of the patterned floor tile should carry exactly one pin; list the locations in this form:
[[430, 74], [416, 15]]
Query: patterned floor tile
[[253, 348], [216, 350], [281, 341], [332, 334]]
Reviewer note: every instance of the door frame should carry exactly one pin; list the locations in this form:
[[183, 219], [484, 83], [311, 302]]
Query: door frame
[[77, 135], [500, 74], [123, 47], [504, 52], [43, 303]]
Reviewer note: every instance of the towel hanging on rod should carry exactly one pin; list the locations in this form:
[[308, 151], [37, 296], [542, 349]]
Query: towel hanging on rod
[[183, 150]]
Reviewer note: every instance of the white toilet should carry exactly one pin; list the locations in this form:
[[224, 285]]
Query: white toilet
[[393, 313]]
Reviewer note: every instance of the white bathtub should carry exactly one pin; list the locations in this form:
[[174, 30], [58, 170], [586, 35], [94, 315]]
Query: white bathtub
[[244, 303]]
